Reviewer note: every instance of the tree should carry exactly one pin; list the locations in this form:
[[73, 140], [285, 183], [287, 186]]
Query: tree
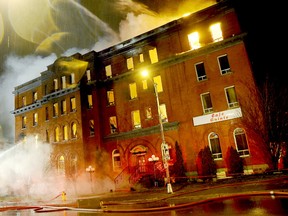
[[178, 167], [234, 162], [206, 165]]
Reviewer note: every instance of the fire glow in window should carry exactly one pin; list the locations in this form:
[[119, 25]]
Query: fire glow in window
[[194, 40]]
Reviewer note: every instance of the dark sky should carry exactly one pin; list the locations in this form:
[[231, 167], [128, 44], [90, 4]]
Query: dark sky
[[34, 32]]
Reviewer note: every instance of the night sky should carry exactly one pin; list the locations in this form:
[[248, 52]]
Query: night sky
[[33, 33]]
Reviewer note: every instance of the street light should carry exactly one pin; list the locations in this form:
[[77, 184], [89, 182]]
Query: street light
[[164, 145], [154, 159]]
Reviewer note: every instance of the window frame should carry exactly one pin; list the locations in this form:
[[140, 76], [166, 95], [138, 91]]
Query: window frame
[[215, 155], [200, 77]]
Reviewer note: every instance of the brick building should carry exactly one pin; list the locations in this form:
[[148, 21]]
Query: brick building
[[97, 110]]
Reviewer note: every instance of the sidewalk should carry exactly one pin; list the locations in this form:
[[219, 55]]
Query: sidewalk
[[188, 192]]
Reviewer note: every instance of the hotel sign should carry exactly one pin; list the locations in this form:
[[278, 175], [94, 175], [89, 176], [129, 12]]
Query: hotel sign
[[217, 116]]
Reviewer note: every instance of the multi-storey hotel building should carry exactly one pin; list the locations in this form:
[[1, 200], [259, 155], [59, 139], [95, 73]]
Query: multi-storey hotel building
[[97, 110]]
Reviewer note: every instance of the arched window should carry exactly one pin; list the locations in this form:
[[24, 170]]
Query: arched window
[[214, 144], [241, 142], [116, 159], [65, 132], [74, 130], [73, 164], [61, 165]]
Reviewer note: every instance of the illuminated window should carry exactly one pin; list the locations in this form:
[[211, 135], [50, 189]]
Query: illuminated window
[[200, 71], [214, 144], [108, 71], [35, 119], [148, 112], [224, 64], [136, 119], [91, 127], [72, 78], [74, 130], [56, 134], [241, 142], [24, 102], [55, 110], [63, 79], [116, 159], [55, 83], [61, 165], [163, 113], [231, 97], [158, 81], [88, 75], [130, 64], [46, 113], [216, 32], [65, 132], [73, 104], [63, 107], [24, 121], [113, 124], [110, 97], [133, 90], [141, 58], [90, 101], [206, 103], [194, 40], [153, 55], [35, 96], [144, 84]]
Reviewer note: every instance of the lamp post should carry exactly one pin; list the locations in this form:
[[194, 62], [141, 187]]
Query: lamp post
[[164, 145], [154, 159]]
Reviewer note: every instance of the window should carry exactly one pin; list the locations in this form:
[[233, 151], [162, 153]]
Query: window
[[116, 159], [74, 130], [241, 142], [88, 75], [72, 78], [231, 97], [148, 112], [63, 79], [133, 90], [163, 113], [110, 97], [73, 104], [158, 81], [47, 136], [65, 132], [141, 58], [216, 32], [206, 103], [91, 127], [193, 39], [113, 124], [224, 64], [24, 122], [61, 165], [55, 83], [214, 144], [130, 64], [56, 134], [46, 113], [136, 119], [35, 119], [35, 96], [55, 110], [144, 84], [73, 164], [108, 71], [153, 55], [24, 102], [63, 107], [200, 71], [90, 101]]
